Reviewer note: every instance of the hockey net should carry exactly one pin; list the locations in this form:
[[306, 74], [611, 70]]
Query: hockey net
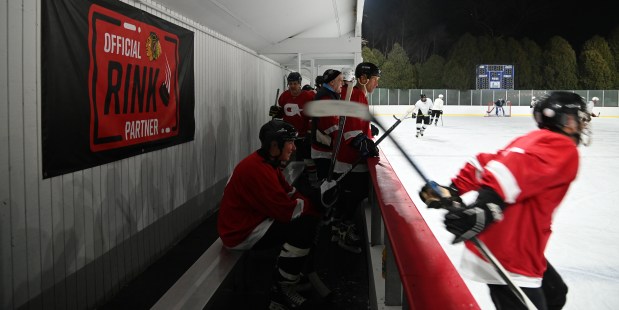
[[491, 110]]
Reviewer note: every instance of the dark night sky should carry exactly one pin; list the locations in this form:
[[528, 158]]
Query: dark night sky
[[538, 20]]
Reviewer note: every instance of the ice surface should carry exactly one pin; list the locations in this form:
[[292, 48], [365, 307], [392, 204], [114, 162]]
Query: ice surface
[[584, 246]]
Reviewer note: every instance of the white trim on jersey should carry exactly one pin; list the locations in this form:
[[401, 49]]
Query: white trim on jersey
[[506, 180], [477, 269]]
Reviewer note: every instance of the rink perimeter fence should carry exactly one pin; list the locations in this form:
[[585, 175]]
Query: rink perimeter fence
[[481, 97]]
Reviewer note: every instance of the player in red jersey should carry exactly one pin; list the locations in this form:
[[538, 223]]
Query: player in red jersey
[[260, 210], [507, 200], [357, 145], [290, 109], [324, 129]]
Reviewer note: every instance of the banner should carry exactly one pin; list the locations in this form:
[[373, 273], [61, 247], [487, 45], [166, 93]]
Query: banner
[[116, 82]]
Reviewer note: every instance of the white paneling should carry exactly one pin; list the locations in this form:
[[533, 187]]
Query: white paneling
[[31, 168], [17, 193], [58, 246], [80, 247], [89, 238], [97, 224], [71, 241], [70, 244], [6, 260]]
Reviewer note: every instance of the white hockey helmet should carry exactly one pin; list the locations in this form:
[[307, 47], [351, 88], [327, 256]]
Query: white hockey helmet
[[595, 98], [533, 98], [440, 95]]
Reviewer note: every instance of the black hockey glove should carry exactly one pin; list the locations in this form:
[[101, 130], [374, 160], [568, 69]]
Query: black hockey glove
[[429, 112], [465, 223], [374, 130], [365, 146], [276, 111], [447, 198]]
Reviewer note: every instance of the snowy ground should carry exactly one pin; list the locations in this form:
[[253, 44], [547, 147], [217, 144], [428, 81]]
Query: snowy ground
[[584, 247]]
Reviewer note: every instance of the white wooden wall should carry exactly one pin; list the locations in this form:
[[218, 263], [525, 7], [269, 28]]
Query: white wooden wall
[[70, 242]]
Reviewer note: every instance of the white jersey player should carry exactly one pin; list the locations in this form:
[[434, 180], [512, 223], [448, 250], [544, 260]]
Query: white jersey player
[[437, 109], [422, 109], [591, 104]]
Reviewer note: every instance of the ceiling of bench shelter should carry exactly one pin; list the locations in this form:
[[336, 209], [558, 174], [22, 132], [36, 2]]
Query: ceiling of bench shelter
[[327, 31]]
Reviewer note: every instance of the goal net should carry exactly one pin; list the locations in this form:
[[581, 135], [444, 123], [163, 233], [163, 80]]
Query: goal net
[[493, 111]]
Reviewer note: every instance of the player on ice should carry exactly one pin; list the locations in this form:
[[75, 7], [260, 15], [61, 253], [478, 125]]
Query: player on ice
[[422, 110], [507, 200]]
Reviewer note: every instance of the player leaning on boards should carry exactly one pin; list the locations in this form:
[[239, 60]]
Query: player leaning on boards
[[260, 210], [507, 200], [357, 143]]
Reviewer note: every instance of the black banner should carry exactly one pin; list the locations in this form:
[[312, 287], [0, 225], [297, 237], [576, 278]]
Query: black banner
[[116, 82]]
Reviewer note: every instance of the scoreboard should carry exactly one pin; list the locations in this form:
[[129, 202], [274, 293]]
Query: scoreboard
[[494, 77]]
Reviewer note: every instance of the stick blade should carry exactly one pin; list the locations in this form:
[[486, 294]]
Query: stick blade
[[321, 108]]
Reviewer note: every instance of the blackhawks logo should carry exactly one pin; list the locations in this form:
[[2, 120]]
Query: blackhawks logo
[[153, 47]]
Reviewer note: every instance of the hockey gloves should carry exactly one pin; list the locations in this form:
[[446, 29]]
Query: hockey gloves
[[276, 111], [374, 130], [468, 221], [446, 198], [365, 146]]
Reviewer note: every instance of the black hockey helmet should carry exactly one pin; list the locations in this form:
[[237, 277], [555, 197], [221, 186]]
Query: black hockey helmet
[[307, 87], [276, 130], [368, 69], [423, 96], [552, 110], [294, 77]]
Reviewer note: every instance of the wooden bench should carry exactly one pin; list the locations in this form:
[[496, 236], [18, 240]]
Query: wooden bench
[[200, 282]]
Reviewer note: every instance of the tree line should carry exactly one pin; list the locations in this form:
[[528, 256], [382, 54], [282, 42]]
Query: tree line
[[554, 65]]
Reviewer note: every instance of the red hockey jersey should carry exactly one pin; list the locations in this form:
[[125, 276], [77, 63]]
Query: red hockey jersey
[[257, 192], [327, 125], [532, 175], [293, 109], [348, 155]]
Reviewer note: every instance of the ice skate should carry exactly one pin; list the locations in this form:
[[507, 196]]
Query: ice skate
[[284, 296], [347, 237]]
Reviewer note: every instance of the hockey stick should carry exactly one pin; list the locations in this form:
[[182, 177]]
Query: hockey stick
[[341, 124], [483, 249], [398, 121], [322, 108], [479, 244], [275, 104], [488, 112]]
